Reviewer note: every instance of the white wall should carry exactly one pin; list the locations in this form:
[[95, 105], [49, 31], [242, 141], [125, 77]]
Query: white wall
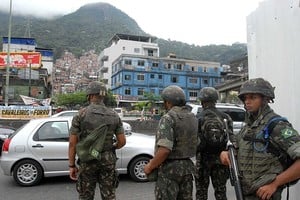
[[274, 52], [273, 34]]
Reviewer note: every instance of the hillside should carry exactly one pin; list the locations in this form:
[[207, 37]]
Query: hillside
[[91, 27]]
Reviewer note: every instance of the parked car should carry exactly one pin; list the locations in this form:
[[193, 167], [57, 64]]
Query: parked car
[[126, 126], [236, 112], [40, 149], [5, 131], [65, 113]]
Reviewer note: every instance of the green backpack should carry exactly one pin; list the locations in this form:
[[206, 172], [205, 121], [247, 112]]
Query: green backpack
[[90, 147]]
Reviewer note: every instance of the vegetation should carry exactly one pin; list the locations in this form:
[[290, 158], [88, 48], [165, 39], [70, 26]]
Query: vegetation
[[78, 99], [93, 25]]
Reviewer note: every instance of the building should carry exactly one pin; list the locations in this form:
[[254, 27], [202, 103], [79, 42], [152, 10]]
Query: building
[[133, 76], [29, 70], [124, 44]]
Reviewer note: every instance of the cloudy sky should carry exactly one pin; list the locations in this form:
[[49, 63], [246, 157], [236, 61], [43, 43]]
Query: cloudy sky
[[199, 22]]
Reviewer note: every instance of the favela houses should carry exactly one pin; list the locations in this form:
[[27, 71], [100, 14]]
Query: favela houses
[[25, 79]]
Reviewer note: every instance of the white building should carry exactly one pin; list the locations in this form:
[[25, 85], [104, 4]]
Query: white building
[[124, 44], [273, 53]]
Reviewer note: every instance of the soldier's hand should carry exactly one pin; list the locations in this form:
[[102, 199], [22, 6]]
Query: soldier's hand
[[265, 192], [224, 158], [73, 173], [148, 168]]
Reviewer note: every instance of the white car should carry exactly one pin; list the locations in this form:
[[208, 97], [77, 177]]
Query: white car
[[236, 112], [126, 126], [32, 152]]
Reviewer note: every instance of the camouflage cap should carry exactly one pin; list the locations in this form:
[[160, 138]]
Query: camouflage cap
[[174, 94], [257, 86], [208, 94], [96, 87]]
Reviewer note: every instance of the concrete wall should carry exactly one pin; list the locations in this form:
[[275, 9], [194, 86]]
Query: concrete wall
[[273, 53], [148, 126]]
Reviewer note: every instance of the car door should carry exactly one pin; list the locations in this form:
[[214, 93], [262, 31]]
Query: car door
[[49, 144]]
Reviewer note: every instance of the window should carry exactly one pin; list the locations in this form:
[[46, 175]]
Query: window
[[216, 69], [141, 63], [193, 69], [152, 76], [136, 50], [205, 69], [174, 79], [53, 131], [193, 80], [155, 64], [169, 66], [140, 91], [127, 62], [150, 52], [140, 77], [193, 94], [127, 91], [178, 66], [159, 76], [152, 91], [205, 81], [127, 77]]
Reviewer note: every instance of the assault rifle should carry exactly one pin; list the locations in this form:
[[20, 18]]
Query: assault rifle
[[233, 168]]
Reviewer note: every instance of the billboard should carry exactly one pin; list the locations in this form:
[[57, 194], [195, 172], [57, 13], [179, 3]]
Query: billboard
[[21, 59], [24, 112]]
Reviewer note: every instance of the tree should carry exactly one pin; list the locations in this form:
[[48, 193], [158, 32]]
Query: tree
[[70, 100], [73, 100]]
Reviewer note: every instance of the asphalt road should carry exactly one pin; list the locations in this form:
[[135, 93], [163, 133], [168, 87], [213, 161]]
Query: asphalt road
[[62, 188]]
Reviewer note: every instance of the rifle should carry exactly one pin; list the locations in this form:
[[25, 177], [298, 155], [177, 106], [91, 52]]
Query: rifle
[[233, 168]]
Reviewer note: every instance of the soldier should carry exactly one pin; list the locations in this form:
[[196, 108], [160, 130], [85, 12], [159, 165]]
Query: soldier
[[213, 140], [264, 156], [176, 141], [101, 169]]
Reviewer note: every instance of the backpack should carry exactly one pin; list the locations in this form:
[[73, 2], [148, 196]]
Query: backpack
[[284, 158], [90, 147], [213, 132]]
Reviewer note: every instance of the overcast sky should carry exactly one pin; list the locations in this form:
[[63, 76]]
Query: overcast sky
[[199, 22]]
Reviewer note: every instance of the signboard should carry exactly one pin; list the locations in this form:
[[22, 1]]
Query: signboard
[[21, 59], [24, 112]]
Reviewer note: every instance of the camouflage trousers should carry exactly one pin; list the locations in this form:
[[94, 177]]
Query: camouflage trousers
[[207, 169], [102, 172], [175, 180]]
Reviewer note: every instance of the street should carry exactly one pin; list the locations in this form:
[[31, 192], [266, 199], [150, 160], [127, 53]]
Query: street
[[62, 188]]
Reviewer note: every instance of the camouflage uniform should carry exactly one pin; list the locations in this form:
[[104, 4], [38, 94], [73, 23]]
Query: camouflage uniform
[[259, 167], [208, 164], [258, 164], [101, 171], [178, 132]]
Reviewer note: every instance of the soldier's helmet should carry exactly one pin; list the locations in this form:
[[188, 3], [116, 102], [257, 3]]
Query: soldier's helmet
[[208, 94], [257, 86], [174, 94], [96, 87]]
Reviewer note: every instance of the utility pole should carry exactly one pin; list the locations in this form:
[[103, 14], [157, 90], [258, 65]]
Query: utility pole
[[8, 55], [29, 84]]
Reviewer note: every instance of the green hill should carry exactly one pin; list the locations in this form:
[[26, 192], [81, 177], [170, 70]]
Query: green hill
[[92, 26]]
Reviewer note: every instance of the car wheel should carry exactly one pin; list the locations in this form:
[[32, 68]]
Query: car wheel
[[27, 173], [136, 169]]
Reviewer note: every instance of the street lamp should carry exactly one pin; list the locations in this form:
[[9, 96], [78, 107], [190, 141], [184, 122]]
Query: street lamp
[[8, 56]]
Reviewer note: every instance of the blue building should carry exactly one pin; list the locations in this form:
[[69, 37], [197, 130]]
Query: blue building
[[135, 75]]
